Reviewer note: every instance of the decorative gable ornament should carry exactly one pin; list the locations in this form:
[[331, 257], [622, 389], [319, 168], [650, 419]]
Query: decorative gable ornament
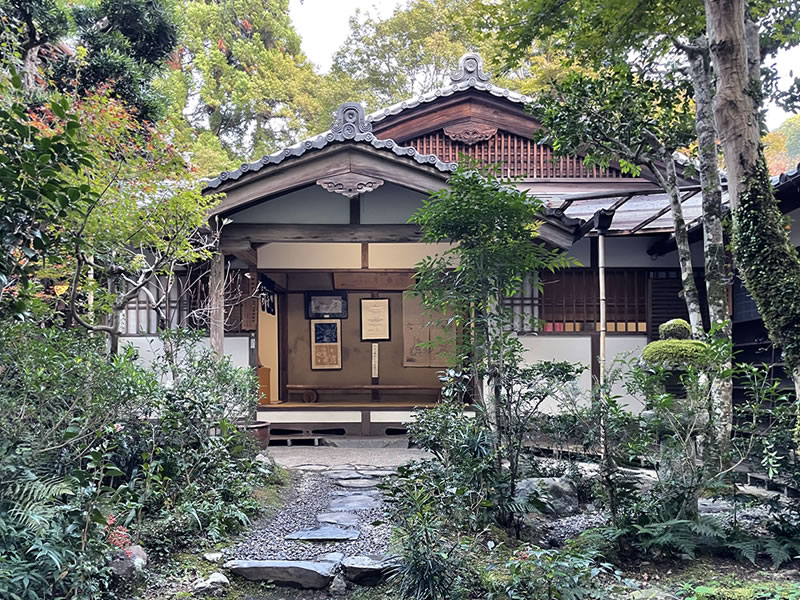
[[350, 184], [470, 69], [470, 133], [349, 121]]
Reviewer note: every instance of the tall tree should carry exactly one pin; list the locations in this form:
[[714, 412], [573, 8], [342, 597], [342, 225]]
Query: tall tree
[[79, 46], [768, 262], [414, 50], [241, 76]]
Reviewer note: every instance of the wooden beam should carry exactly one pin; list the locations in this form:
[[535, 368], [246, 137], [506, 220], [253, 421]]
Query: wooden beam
[[241, 249], [661, 213], [252, 233]]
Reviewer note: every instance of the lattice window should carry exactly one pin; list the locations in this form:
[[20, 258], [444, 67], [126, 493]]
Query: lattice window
[[568, 302], [183, 299]]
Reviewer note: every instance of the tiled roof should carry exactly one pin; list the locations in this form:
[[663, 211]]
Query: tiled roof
[[349, 125], [470, 75]]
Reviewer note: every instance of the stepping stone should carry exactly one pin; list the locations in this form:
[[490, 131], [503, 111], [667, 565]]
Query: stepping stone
[[377, 472], [366, 570], [313, 468], [325, 533], [341, 468], [338, 518], [352, 502], [356, 483], [349, 474], [355, 492], [306, 574]]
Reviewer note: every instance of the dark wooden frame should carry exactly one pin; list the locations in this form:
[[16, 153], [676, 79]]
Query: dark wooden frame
[[388, 320], [314, 315]]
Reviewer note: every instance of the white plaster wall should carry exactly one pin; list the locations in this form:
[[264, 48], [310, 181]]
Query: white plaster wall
[[302, 255], [237, 347], [308, 205], [632, 252], [389, 204], [401, 256], [572, 348], [624, 347]]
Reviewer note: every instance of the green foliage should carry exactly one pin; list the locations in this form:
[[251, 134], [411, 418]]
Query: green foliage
[[567, 574], [676, 353], [637, 116], [721, 590], [675, 329], [80, 458], [35, 189], [769, 264]]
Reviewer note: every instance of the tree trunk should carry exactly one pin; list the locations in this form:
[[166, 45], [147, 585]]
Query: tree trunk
[[767, 261], [216, 299], [669, 182], [713, 237]]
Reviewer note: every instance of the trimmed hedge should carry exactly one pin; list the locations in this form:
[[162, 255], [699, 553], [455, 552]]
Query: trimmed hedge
[[676, 353]]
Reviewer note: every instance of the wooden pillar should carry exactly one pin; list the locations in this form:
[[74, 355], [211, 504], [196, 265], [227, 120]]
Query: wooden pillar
[[216, 301]]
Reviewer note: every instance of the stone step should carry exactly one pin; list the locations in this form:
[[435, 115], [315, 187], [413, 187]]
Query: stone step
[[325, 533], [338, 518], [351, 503], [357, 483], [305, 574]]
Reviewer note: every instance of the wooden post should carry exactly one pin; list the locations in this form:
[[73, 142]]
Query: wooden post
[[601, 264], [216, 301]]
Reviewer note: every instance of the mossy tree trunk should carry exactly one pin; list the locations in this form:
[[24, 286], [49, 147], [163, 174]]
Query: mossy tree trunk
[[713, 237], [767, 261], [668, 179]]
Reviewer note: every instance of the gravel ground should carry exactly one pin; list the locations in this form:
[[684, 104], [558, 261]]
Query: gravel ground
[[311, 494], [294, 456]]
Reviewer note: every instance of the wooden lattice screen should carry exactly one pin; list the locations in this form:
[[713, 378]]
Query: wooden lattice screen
[[520, 156]]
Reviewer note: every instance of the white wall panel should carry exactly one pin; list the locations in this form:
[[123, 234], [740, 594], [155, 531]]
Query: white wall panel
[[302, 255]]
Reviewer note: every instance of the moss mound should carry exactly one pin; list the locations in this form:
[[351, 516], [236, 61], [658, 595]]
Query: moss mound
[[676, 353], [676, 329]]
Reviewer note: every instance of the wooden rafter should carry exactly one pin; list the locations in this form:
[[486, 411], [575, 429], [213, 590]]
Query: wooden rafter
[[661, 213]]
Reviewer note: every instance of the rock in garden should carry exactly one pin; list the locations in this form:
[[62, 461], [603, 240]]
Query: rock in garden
[[354, 502], [365, 570], [305, 574], [357, 483], [326, 533], [377, 472], [214, 585], [344, 474], [338, 518], [558, 492], [338, 586], [213, 557], [652, 593], [129, 563], [311, 468]]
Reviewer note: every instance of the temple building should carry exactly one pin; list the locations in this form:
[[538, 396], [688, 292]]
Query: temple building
[[317, 251]]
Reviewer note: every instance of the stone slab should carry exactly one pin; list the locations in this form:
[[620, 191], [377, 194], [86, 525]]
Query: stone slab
[[366, 570], [325, 533], [353, 502], [342, 519], [305, 574], [356, 483], [342, 474]]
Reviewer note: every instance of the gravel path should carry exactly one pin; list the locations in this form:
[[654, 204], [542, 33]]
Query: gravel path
[[294, 456], [312, 493]]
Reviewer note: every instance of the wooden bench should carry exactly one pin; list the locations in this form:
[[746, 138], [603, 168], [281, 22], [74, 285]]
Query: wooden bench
[[311, 391]]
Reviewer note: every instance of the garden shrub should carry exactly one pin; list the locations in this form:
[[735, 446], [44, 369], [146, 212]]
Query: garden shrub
[[675, 329], [676, 353], [97, 454]]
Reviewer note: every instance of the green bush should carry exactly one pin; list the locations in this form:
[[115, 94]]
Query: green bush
[[676, 329], [97, 454], [674, 353]]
